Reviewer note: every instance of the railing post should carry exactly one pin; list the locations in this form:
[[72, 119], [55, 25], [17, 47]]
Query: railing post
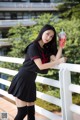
[[67, 95], [62, 94]]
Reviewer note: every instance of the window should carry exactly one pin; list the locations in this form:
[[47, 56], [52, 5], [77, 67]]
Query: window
[[46, 0], [2, 16], [13, 16], [35, 0], [7, 15], [19, 15]]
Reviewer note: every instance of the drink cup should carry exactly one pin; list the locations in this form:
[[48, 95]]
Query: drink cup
[[62, 38]]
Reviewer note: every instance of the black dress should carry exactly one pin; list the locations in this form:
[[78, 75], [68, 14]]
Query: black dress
[[23, 84]]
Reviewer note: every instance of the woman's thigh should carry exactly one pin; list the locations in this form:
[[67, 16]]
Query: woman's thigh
[[20, 103]]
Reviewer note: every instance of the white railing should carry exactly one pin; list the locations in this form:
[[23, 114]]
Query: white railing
[[64, 84]]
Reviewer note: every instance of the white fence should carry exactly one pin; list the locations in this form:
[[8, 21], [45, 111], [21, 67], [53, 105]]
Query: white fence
[[64, 84]]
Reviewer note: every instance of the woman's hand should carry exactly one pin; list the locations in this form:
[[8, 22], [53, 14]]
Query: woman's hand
[[52, 58], [62, 60]]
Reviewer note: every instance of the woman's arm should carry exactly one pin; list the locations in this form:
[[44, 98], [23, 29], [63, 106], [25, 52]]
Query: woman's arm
[[58, 55], [50, 64]]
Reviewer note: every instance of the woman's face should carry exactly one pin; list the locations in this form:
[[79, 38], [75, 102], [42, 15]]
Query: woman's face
[[47, 36]]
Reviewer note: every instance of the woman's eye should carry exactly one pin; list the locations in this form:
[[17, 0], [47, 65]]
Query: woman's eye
[[47, 33], [51, 36]]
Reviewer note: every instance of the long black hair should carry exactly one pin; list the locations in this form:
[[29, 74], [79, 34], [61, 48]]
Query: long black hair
[[52, 45]]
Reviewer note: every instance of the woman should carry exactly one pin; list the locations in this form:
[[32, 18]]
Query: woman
[[41, 55]]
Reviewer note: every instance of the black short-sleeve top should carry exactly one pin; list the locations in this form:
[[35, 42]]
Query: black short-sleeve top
[[34, 51]]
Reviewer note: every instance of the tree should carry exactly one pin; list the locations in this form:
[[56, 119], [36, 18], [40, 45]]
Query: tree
[[70, 9], [19, 38]]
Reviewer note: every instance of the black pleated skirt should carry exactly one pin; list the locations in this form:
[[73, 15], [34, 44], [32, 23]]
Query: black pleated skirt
[[23, 86]]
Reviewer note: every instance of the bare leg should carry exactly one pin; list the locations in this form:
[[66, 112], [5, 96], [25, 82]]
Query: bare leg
[[30, 103], [20, 103]]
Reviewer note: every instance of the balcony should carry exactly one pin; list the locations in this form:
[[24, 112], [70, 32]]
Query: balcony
[[26, 6], [11, 23], [69, 111]]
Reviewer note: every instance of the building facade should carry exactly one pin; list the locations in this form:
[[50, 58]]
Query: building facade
[[22, 11]]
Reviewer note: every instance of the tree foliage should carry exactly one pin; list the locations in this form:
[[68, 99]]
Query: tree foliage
[[74, 12], [70, 9], [18, 37]]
